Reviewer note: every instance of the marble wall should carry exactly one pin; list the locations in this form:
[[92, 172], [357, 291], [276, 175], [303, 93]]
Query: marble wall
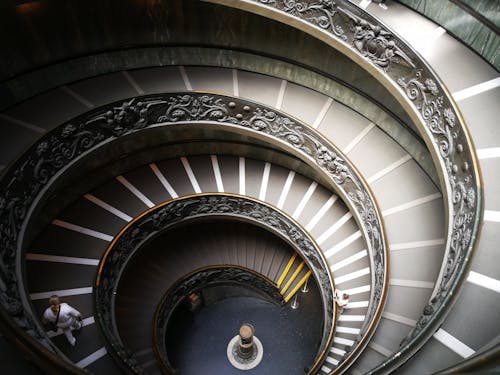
[[479, 28]]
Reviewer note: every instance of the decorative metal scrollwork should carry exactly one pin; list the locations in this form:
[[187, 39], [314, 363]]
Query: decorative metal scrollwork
[[441, 121], [28, 179], [173, 212], [198, 280], [320, 13], [441, 126], [130, 115], [343, 20]]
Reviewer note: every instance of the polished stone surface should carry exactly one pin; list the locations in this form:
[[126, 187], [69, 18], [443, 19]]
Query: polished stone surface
[[469, 30], [197, 343]]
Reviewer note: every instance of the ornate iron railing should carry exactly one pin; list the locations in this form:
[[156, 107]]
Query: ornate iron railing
[[195, 281], [164, 216], [372, 45], [25, 183]]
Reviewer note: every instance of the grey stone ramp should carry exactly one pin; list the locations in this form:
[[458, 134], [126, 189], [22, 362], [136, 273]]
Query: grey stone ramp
[[395, 179], [157, 80], [151, 274], [473, 83]]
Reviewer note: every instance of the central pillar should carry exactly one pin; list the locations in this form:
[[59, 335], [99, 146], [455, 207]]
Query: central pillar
[[246, 345], [245, 351]]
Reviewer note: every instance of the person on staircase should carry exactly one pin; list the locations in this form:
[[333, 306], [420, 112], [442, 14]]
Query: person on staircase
[[62, 315], [342, 300]]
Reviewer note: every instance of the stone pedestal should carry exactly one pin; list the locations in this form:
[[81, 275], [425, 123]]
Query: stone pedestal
[[245, 350]]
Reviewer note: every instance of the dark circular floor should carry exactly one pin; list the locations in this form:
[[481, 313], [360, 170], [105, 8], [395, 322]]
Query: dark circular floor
[[197, 343]]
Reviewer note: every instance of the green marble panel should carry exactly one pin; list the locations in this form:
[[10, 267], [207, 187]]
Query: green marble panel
[[462, 25], [90, 66], [30, 40], [95, 37], [489, 9]]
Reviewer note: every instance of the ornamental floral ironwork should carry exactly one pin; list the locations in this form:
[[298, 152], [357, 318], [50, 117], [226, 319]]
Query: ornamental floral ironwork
[[24, 184], [130, 115], [319, 13], [441, 121], [376, 43], [191, 108], [441, 127], [350, 25], [199, 280], [165, 216]]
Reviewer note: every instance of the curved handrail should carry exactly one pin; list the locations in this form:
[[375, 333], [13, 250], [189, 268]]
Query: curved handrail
[[372, 45], [24, 185], [164, 216], [200, 279], [484, 361]]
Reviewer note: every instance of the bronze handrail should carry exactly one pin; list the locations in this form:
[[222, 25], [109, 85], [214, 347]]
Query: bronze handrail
[[372, 45], [209, 205], [31, 177]]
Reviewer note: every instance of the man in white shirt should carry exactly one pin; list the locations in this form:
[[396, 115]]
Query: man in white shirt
[[62, 315], [342, 300]]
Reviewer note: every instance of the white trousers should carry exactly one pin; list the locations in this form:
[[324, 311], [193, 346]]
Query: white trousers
[[67, 330], [68, 334]]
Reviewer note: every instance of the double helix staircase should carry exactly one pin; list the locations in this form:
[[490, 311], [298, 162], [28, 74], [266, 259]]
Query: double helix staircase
[[85, 228], [63, 259], [156, 269]]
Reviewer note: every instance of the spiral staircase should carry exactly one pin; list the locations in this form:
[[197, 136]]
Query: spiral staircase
[[275, 123]]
